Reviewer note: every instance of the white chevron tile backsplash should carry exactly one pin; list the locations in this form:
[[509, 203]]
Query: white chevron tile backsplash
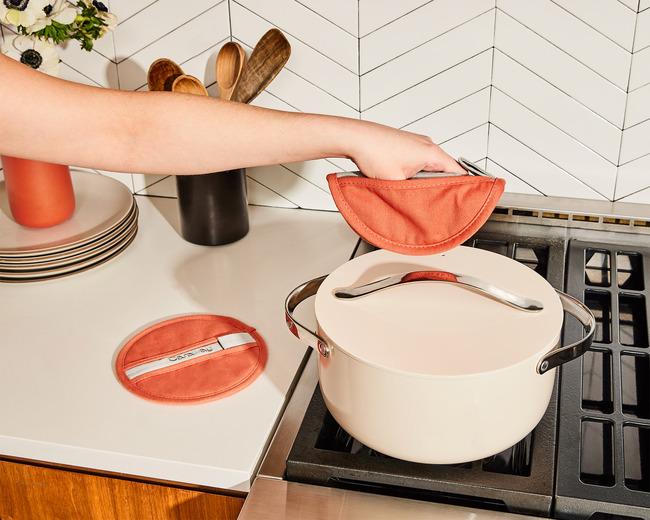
[[568, 32], [559, 148], [556, 107], [642, 34], [551, 95], [455, 119], [559, 68], [425, 61], [374, 14], [614, 20], [443, 89], [412, 29]]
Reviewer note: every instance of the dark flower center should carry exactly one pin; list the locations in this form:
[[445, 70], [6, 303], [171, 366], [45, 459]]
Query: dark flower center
[[31, 58], [19, 5], [100, 6], [47, 9]]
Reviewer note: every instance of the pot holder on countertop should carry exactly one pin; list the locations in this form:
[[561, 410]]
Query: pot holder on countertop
[[425, 215], [191, 359]]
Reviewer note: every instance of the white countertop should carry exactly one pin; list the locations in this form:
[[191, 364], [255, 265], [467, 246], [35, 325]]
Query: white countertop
[[60, 400]]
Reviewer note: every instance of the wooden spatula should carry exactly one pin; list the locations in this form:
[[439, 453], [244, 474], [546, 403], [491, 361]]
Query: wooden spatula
[[267, 59]]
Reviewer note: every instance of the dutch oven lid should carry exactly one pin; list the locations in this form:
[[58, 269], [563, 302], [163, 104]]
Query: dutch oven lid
[[435, 328]]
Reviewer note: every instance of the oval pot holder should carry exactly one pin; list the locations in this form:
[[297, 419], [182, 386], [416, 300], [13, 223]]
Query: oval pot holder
[[425, 215], [191, 359]]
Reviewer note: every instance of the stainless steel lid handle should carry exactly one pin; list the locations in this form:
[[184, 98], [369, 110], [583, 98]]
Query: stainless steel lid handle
[[473, 169], [487, 288], [559, 356], [297, 296]]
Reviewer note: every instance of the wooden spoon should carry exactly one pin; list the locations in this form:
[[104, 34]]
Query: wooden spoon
[[230, 62], [162, 74], [189, 85], [267, 59]]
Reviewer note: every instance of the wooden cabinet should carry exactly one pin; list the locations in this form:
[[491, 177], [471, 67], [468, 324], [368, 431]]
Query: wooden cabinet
[[29, 491]]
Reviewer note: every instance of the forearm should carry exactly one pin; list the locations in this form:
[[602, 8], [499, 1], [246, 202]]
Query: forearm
[[190, 134], [170, 133]]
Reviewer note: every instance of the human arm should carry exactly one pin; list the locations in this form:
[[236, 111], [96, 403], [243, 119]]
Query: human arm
[[53, 120]]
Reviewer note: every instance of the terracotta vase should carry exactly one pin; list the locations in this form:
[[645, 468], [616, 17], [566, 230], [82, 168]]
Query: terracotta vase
[[40, 194]]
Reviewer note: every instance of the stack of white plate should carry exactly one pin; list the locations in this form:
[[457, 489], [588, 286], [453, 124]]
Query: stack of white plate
[[104, 223]]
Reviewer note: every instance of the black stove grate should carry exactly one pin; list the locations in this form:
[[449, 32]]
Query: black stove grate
[[518, 480], [604, 419]]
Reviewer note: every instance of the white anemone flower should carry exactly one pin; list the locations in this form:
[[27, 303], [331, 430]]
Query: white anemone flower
[[37, 54], [58, 11], [22, 12]]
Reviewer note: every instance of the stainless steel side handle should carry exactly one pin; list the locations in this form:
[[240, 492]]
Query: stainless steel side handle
[[297, 296], [559, 356], [487, 288]]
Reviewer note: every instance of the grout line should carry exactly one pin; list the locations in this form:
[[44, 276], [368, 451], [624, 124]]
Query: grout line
[[562, 50], [635, 159], [395, 19], [516, 176], [170, 32], [573, 138], [273, 191], [594, 28], [494, 51], [463, 133], [138, 12], [553, 85], [114, 60], [359, 58], [299, 2], [625, 114], [630, 8], [230, 18], [448, 105], [422, 44], [297, 39], [303, 178], [536, 152], [428, 79], [316, 86], [647, 188]]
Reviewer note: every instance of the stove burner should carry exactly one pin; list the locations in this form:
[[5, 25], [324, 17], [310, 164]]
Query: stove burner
[[520, 479], [604, 425], [589, 457]]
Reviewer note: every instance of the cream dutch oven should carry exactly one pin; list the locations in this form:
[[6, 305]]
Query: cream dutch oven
[[439, 359]]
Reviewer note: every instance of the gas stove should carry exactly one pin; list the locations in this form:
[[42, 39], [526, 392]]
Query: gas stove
[[589, 457]]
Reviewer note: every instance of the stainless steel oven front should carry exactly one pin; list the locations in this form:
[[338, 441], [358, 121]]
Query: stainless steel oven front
[[589, 458]]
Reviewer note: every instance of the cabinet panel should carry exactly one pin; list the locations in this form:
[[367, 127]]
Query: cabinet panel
[[28, 492]]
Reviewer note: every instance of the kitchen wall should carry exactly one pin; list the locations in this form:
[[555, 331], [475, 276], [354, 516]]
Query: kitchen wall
[[554, 96]]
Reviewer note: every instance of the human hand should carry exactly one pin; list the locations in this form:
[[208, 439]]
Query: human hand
[[382, 152]]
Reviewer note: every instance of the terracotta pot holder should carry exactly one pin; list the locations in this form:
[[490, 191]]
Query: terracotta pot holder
[[191, 359], [428, 214]]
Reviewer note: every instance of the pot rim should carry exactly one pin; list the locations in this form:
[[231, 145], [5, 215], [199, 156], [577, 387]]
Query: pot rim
[[473, 375], [439, 327]]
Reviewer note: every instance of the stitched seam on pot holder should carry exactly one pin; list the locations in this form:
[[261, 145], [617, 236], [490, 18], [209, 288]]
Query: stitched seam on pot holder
[[414, 184], [441, 243]]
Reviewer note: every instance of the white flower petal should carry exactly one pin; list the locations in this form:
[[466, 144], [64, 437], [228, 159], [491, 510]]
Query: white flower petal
[[66, 16], [47, 51], [25, 18], [40, 23]]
